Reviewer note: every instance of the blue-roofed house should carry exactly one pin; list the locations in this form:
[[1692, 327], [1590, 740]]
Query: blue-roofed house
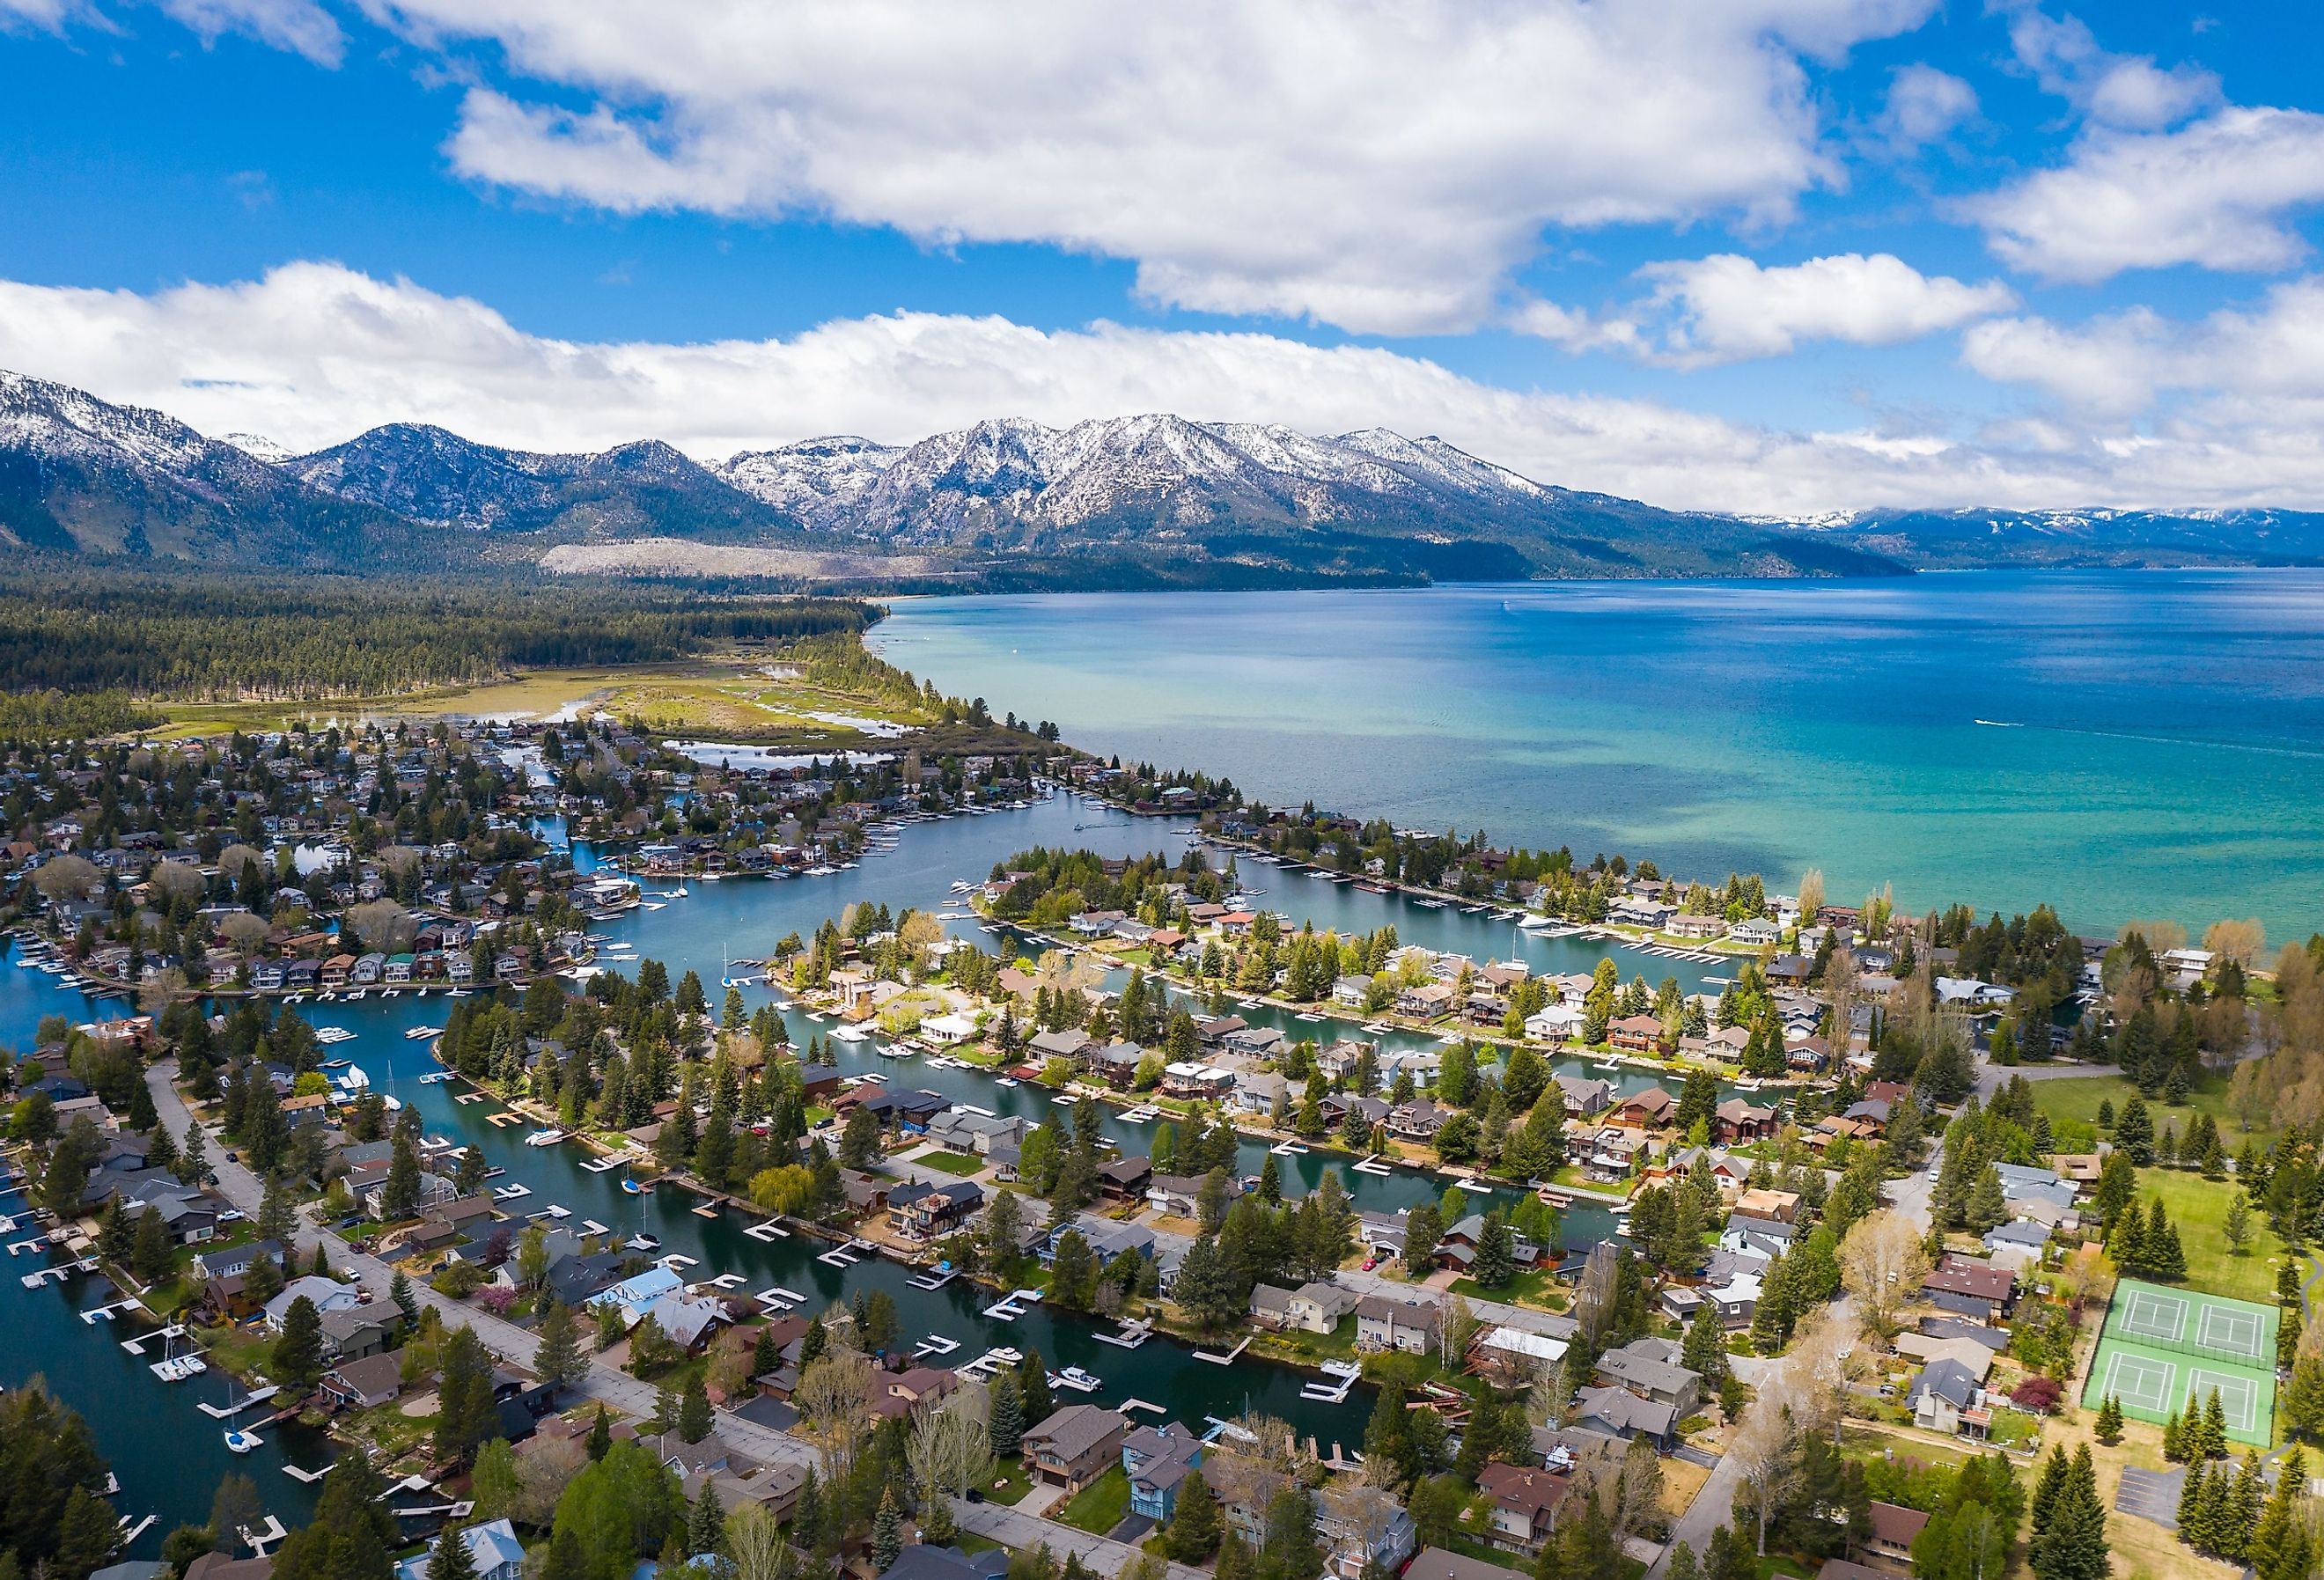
[[494, 1547]]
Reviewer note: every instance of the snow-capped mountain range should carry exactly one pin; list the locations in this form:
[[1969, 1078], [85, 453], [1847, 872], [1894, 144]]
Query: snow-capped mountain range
[[1177, 472], [1153, 499]]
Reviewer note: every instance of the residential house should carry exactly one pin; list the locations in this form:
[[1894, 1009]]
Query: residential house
[[233, 1261], [1648, 1109], [493, 1548], [1616, 1412], [1635, 1033], [1437, 1564], [1888, 1549], [1179, 1196], [929, 1212], [362, 1384], [1312, 1307], [922, 1562], [1157, 1459], [327, 1295], [1527, 1501], [1074, 1446], [1386, 1324], [1944, 1397], [1649, 1368], [1585, 1098], [1970, 1289], [1737, 1122], [1782, 1205]]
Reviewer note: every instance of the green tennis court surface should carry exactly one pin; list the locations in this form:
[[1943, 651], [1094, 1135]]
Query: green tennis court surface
[[2165, 1351]]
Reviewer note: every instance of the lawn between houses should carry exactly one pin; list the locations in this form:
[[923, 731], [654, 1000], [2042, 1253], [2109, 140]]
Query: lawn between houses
[[2076, 1098], [2199, 1206]]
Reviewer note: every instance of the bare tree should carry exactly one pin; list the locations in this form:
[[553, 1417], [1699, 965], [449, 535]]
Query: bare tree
[[1637, 1504], [1763, 1449], [172, 879], [384, 925], [833, 1399], [1456, 1329], [234, 859], [1811, 893], [755, 1544], [951, 1446], [1593, 1301], [542, 1472], [244, 931], [2239, 941], [401, 859], [1826, 1363], [1881, 1264], [65, 877]]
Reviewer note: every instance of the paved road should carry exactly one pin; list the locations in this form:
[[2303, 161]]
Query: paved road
[[1714, 1502], [614, 1387]]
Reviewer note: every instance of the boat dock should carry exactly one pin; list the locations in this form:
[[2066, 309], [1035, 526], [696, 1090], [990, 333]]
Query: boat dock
[[937, 1345], [935, 1279], [986, 1365], [848, 1255], [1228, 1359], [1344, 1374], [1012, 1306], [1132, 1335], [767, 1232], [1128, 1405], [217, 1414], [1372, 1165]]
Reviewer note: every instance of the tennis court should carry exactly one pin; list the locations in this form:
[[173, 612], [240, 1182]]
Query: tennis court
[[2166, 1351], [2190, 1323]]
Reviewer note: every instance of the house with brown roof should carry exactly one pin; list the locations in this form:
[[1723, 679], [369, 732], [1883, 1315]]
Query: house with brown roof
[[1526, 1500], [361, 1385], [1074, 1446], [1635, 1033], [1782, 1205], [1647, 1110], [1889, 1548], [1970, 1289], [1735, 1121]]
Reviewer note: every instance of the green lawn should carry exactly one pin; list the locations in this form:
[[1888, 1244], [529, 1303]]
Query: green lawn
[[2199, 1206], [1099, 1507], [1537, 1288], [963, 1164], [2077, 1097]]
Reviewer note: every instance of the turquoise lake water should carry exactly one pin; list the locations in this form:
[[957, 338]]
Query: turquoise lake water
[[2121, 744]]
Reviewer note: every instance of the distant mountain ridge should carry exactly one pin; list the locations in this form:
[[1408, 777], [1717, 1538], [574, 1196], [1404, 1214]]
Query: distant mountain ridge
[[1147, 500]]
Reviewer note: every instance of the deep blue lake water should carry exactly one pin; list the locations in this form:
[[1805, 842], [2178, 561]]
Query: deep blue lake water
[[2121, 744]]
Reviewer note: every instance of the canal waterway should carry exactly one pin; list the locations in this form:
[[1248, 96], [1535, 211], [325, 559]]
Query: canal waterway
[[170, 1456]]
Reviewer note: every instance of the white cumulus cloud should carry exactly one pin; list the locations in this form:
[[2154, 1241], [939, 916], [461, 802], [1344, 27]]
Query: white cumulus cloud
[[1923, 105], [2129, 91], [1728, 308], [2218, 192], [1379, 166]]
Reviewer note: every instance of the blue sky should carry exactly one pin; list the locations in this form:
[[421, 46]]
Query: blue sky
[[1783, 255]]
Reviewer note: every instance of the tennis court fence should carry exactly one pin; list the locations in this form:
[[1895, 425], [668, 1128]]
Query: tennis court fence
[[2261, 1334]]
